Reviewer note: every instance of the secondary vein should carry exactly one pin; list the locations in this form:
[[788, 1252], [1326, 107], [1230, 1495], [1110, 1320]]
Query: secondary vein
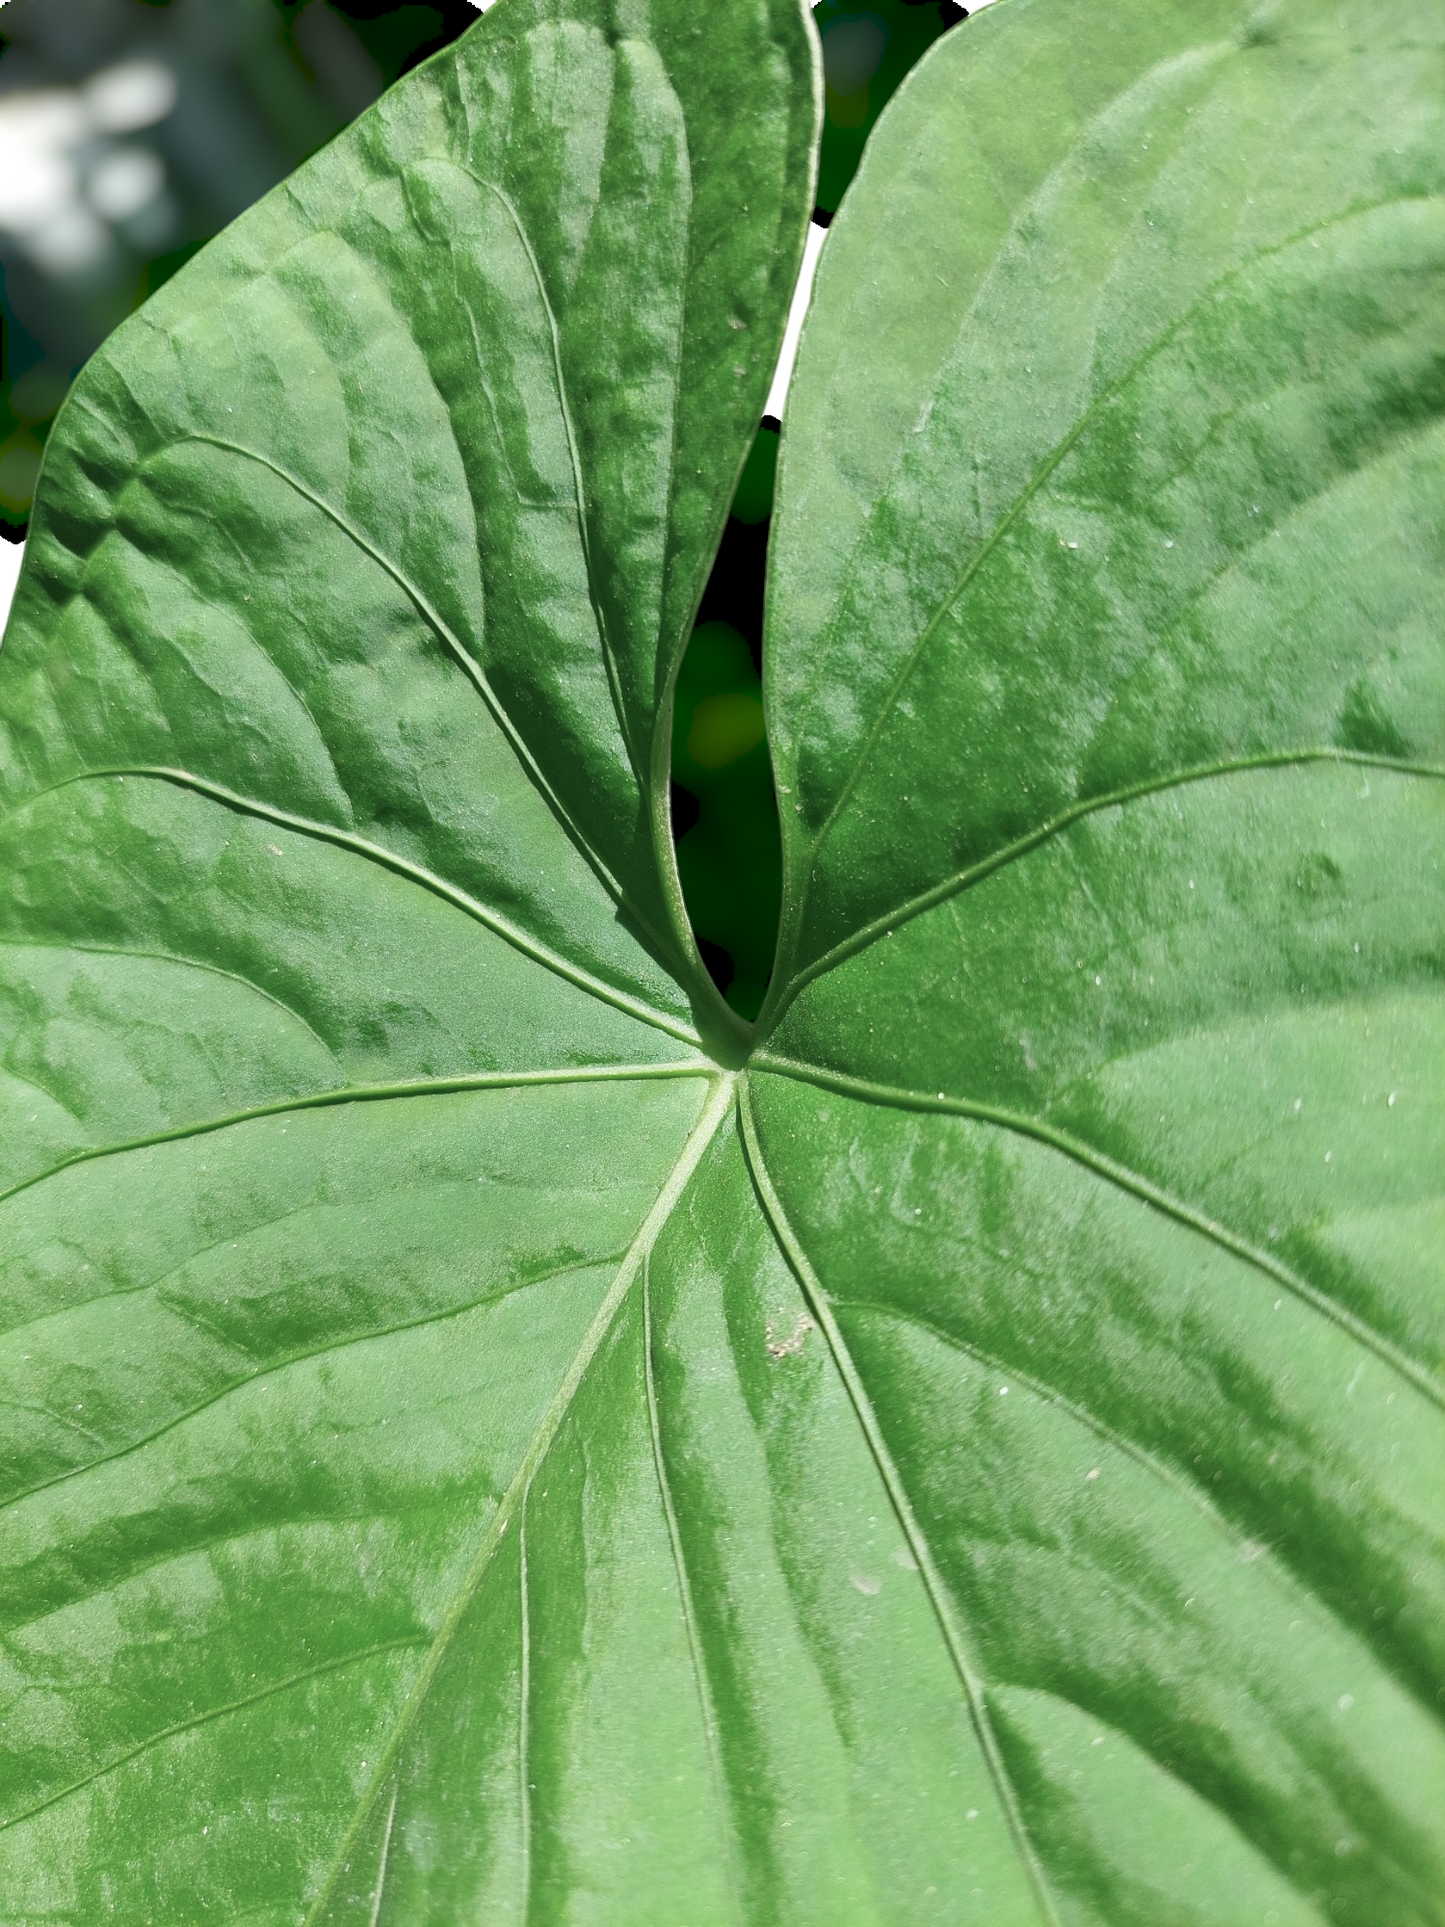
[[180, 963], [609, 661], [684, 1583], [205, 1719], [463, 657], [1054, 459], [244, 1381]]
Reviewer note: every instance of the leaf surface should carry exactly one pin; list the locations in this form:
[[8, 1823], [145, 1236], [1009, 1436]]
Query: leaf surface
[[486, 1436]]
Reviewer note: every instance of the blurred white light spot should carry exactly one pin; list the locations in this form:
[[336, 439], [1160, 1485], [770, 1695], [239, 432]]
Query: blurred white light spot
[[71, 241], [37, 175], [777, 394], [40, 189], [135, 94], [126, 181], [851, 53]]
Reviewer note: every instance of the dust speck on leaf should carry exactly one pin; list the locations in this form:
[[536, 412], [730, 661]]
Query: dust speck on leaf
[[795, 1340]]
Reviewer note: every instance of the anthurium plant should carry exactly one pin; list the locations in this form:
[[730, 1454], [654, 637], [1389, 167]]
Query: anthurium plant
[[491, 1435]]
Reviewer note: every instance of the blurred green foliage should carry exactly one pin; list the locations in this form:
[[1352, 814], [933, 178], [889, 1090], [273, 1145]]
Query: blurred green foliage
[[866, 53], [730, 857]]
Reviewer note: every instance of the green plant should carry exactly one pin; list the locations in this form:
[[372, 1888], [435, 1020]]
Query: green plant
[[493, 1436]]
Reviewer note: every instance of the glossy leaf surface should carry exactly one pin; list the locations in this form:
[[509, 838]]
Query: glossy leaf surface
[[489, 1438]]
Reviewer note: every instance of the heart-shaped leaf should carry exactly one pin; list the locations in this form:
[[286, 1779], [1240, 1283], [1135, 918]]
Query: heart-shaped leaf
[[492, 1438]]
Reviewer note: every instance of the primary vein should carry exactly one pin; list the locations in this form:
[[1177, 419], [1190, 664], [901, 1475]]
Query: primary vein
[[367, 1094], [969, 1676], [377, 853], [718, 1106], [1022, 846], [1127, 1180]]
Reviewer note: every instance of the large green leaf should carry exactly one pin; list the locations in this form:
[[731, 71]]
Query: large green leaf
[[492, 1439]]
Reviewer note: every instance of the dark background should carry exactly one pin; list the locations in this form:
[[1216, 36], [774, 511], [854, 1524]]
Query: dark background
[[260, 84]]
